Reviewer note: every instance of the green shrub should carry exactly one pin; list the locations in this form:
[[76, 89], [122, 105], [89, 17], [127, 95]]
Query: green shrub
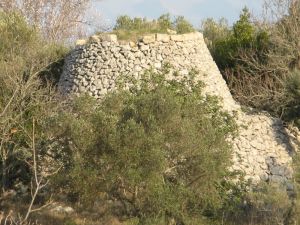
[[292, 102], [227, 43], [132, 28], [182, 26], [160, 150], [25, 58], [214, 30], [268, 204]]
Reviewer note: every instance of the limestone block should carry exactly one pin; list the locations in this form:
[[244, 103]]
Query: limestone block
[[189, 36], [169, 31], [163, 37], [81, 42], [177, 37], [148, 39], [105, 44], [94, 39], [132, 44], [159, 57], [109, 37], [157, 65], [144, 48]]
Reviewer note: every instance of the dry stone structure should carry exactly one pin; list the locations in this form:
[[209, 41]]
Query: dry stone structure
[[263, 148]]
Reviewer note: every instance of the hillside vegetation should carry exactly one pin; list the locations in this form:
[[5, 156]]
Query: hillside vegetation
[[260, 59], [157, 153]]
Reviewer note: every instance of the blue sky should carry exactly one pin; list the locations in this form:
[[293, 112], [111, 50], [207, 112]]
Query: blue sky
[[193, 10]]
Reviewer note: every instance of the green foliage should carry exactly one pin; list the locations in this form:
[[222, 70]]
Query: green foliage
[[25, 58], [293, 84], [227, 44], [214, 30], [165, 22], [243, 30], [133, 28], [258, 67], [266, 204], [182, 25], [243, 54], [292, 99], [159, 149]]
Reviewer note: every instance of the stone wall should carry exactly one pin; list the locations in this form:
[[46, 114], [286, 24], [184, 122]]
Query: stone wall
[[263, 148]]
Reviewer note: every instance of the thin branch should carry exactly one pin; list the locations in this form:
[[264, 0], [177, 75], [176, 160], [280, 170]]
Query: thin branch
[[10, 101]]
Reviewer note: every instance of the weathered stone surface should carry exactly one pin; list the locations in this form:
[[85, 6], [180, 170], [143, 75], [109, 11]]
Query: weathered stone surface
[[190, 36], [144, 47], [263, 148], [163, 37], [171, 31], [149, 39], [95, 38], [109, 37], [179, 37], [80, 42]]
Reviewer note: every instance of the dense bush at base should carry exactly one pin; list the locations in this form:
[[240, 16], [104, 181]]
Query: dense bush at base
[[159, 151]]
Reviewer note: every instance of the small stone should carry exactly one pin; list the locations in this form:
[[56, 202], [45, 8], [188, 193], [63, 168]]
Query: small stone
[[157, 65], [81, 89], [63, 210], [264, 177], [131, 44], [105, 43], [277, 170], [289, 186], [277, 179], [159, 57], [144, 47]]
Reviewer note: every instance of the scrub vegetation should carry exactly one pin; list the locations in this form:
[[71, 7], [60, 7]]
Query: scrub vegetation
[[157, 153]]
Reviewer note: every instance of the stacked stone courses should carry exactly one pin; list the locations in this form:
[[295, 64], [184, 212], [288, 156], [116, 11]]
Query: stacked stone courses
[[264, 147]]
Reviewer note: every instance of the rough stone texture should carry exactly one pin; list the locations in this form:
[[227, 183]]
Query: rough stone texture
[[263, 148]]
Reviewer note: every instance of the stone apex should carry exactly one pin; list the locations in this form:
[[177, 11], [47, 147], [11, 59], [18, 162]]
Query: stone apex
[[80, 42], [146, 39], [104, 37]]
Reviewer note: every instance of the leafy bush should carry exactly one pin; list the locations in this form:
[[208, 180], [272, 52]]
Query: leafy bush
[[227, 43], [25, 58], [214, 30], [159, 150], [182, 25], [257, 59], [266, 204], [292, 94], [243, 53], [133, 28]]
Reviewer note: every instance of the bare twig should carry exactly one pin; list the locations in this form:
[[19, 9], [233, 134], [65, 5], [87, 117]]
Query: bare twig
[[10, 101], [39, 179], [57, 19]]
